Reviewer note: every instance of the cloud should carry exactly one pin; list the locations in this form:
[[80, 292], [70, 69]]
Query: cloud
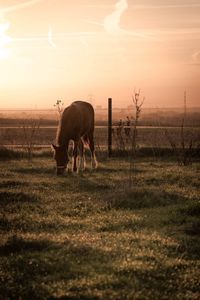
[[50, 39], [112, 22], [81, 38], [184, 34], [53, 38], [83, 41], [56, 36], [164, 6], [18, 6], [4, 38], [4, 27], [196, 57]]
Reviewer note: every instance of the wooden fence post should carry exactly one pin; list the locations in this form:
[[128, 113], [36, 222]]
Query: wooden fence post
[[109, 127]]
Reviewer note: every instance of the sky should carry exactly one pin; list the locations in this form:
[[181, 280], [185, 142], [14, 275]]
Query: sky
[[95, 49]]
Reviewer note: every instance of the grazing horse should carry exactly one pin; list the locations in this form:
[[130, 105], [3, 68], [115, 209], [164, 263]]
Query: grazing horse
[[76, 124]]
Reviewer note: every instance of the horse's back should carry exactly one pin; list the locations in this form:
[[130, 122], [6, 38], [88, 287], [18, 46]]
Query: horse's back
[[82, 104]]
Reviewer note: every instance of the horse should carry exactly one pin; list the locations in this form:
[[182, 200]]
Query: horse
[[76, 124]]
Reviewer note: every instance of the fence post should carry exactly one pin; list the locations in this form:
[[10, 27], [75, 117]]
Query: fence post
[[109, 127]]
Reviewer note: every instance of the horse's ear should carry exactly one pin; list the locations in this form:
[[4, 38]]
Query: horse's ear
[[53, 147]]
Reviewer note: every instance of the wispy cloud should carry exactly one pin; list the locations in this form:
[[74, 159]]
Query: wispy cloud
[[83, 41], [196, 57], [112, 22], [18, 6], [164, 6], [50, 39], [3, 28], [56, 37], [175, 34], [4, 40], [131, 5]]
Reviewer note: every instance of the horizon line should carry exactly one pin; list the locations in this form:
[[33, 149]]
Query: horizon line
[[97, 106]]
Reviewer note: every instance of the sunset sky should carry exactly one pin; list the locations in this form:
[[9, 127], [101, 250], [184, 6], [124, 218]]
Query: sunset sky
[[82, 49]]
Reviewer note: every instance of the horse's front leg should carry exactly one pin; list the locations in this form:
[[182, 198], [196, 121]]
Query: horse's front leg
[[75, 154]]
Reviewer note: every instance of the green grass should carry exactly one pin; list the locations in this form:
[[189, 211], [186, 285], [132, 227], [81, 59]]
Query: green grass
[[92, 236]]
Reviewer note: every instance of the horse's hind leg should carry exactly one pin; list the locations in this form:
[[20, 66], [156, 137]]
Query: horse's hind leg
[[91, 145]]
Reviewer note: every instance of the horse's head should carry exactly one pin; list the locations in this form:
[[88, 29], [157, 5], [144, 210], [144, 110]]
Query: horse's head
[[61, 157]]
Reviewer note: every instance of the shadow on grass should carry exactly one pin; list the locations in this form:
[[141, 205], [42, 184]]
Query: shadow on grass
[[130, 225], [153, 282], [192, 212], [191, 209], [12, 183], [79, 183], [77, 297], [193, 229], [92, 185], [45, 262], [7, 198], [117, 169], [186, 217], [189, 245], [35, 170], [138, 198], [32, 226], [187, 220], [16, 244], [48, 268], [6, 154], [159, 279]]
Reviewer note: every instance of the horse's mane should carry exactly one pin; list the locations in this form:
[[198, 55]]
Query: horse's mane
[[60, 132]]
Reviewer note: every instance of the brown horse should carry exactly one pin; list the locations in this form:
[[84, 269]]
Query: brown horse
[[76, 124]]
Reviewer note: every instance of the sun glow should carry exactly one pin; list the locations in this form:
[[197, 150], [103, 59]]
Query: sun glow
[[4, 41]]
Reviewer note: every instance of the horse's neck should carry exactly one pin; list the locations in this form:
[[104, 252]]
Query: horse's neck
[[62, 138]]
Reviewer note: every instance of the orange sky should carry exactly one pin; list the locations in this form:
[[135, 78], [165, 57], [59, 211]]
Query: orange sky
[[83, 49]]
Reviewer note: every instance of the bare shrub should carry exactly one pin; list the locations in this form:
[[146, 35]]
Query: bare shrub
[[185, 145], [118, 136], [30, 128], [59, 107], [137, 102]]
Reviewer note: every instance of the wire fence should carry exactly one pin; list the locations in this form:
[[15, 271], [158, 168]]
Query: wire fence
[[148, 136]]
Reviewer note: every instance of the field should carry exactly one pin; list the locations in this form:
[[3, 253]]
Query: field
[[94, 236]]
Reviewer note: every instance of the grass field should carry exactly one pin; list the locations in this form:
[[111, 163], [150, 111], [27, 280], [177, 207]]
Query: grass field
[[92, 236]]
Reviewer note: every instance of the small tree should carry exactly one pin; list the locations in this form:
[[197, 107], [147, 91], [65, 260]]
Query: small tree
[[30, 129], [59, 107], [183, 149], [137, 102], [119, 136]]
